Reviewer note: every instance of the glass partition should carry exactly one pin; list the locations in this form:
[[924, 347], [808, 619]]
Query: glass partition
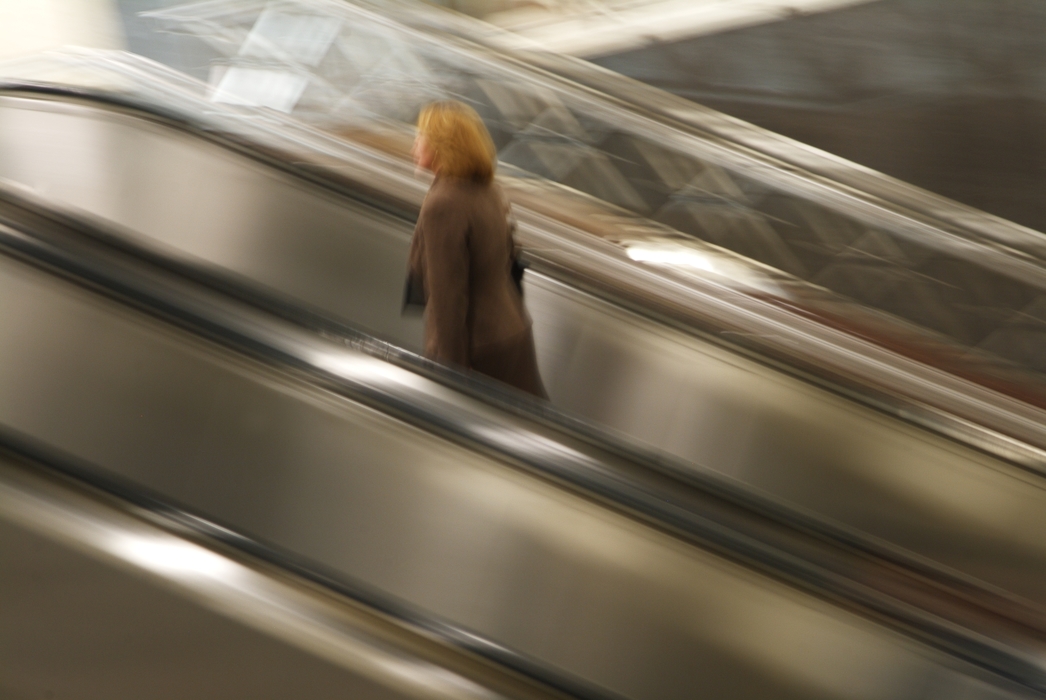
[[346, 67]]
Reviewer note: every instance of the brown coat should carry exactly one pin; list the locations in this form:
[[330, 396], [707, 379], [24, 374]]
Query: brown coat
[[461, 256]]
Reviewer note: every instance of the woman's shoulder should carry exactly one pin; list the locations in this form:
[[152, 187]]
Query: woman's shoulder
[[441, 194], [455, 190], [447, 183], [443, 189], [449, 205]]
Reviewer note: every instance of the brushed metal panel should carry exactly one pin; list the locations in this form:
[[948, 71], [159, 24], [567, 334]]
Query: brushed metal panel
[[74, 627], [791, 439], [537, 568], [108, 598], [685, 397], [201, 202]]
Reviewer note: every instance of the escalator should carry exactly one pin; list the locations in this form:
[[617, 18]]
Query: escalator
[[669, 166], [746, 484], [219, 489], [631, 356]]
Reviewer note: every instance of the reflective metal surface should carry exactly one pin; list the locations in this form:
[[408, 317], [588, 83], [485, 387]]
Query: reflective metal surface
[[365, 496], [104, 600], [668, 390], [686, 266]]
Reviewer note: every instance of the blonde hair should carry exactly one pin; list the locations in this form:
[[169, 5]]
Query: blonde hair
[[460, 143]]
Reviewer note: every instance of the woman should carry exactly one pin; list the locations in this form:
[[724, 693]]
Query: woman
[[461, 256]]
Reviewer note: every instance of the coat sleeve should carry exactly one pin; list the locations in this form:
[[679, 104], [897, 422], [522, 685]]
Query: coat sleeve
[[446, 261]]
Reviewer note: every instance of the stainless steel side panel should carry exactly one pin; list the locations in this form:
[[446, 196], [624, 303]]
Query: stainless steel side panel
[[480, 543], [793, 440], [200, 202], [685, 397], [74, 627], [96, 602]]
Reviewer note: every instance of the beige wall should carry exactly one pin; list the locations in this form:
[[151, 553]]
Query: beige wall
[[34, 25]]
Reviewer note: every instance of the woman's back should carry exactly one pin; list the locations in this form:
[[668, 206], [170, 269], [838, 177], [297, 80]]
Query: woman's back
[[463, 251]]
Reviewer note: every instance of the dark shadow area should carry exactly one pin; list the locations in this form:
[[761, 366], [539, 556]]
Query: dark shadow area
[[948, 95]]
